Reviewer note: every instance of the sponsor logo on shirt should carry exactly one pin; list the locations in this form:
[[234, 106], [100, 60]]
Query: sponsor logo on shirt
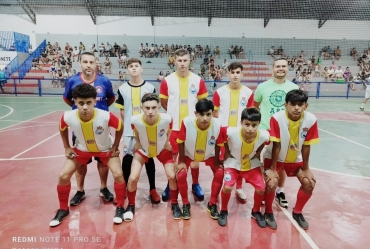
[[233, 113], [227, 177], [183, 101], [199, 151], [293, 146], [152, 143], [192, 89], [161, 133], [245, 156], [136, 108], [99, 130], [304, 132], [90, 141], [212, 141], [125, 150], [243, 102], [99, 89]]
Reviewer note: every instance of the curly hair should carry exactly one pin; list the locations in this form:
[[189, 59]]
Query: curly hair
[[84, 91]]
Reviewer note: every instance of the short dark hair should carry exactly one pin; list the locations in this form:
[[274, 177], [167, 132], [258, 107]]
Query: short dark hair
[[84, 91], [235, 65], [150, 97], [133, 60], [204, 105], [296, 96], [87, 53], [251, 114]]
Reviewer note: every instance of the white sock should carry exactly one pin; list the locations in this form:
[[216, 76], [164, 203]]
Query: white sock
[[278, 190], [362, 105]]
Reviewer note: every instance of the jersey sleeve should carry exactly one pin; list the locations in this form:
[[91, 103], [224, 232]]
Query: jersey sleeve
[[250, 101], [202, 93], [171, 124], [163, 90], [258, 95], [221, 137], [182, 134], [68, 90], [216, 100], [224, 135], [109, 88], [274, 130], [312, 136], [114, 122], [62, 124], [120, 103]]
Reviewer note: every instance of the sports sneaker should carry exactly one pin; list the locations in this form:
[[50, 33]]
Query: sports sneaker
[[166, 195], [176, 211], [198, 192], [241, 195], [270, 221], [300, 220], [259, 218], [362, 109], [108, 196], [212, 209], [118, 218], [185, 212], [129, 213], [77, 198], [222, 219], [280, 199], [61, 215], [154, 196]]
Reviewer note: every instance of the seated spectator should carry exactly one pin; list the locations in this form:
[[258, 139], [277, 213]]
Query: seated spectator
[[333, 65], [108, 50], [331, 73], [300, 61], [167, 73], [35, 63], [122, 77], [60, 78], [30, 49], [93, 49], [124, 49], [354, 53], [317, 70], [63, 64], [116, 49], [107, 66], [44, 58], [171, 61], [280, 51], [319, 62], [206, 59], [207, 50], [308, 76], [325, 74], [338, 53], [271, 52], [231, 51], [101, 49], [69, 63], [75, 53], [329, 54], [338, 73], [217, 51], [160, 76], [241, 53], [67, 74], [121, 61], [166, 50], [347, 74]]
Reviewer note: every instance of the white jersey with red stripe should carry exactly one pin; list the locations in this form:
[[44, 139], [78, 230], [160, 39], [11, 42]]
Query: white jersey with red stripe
[[152, 137], [199, 144], [94, 135], [230, 103]]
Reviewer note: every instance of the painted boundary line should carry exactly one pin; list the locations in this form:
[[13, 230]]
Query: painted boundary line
[[10, 112], [27, 120], [19, 128], [344, 138]]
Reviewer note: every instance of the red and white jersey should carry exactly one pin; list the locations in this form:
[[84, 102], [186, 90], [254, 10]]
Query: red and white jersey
[[182, 95], [152, 137], [200, 144], [230, 104], [243, 152], [94, 135], [292, 135]]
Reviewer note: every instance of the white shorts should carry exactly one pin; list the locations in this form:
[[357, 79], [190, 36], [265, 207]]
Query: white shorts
[[128, 146], [367, 92]]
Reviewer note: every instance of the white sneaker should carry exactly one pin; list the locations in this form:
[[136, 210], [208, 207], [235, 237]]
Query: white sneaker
[[240, 194]]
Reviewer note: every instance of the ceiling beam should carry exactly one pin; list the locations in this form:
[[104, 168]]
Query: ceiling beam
[[28, 10], [265, 22], [321, 22], [89, 7]]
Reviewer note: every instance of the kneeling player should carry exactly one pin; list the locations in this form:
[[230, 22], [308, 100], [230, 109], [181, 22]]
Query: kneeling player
[[151, 132], [91, 128], [197, 140], [292, 131], [243, 148]]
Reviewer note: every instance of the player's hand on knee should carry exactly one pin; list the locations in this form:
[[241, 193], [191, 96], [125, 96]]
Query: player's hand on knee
[[179, 167], [271, 177], [307, 173], [114, 150], [70, 153]]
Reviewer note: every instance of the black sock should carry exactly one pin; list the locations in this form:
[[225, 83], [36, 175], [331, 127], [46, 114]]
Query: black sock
[[126, 167], [150, 171]]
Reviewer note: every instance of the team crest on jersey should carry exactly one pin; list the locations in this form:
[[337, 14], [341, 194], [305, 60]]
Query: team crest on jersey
[[200, 152], [304, 132], [227, 177], [90, 141], [99, 89], [183, 101], [212, 141], [99, 130], [161, 133], [245, 156], [233, 113], [243, 102], [152, 143], [125, 150], [293, 146], [136, 108], [192, 89]]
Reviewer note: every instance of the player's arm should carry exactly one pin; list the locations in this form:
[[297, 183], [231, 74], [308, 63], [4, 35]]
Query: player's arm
[[117, 124], [67, 95], [258, 152], [257, 104], [216, 102], [257, 96], [111, 97], [305, 156], [163, 94], [63, 130]]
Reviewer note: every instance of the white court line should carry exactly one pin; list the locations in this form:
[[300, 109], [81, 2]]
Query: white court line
[[339, 173], [9, 120], [344, 138], [10, 112], [26, 120], [324, 119], [30, 158], [30, 148], [26, 127]]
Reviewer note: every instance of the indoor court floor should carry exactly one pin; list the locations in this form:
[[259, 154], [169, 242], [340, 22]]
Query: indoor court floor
[[31, 156]]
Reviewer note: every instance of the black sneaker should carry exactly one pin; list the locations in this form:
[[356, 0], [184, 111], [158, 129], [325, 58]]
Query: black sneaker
[[280, 199], [222, 218], [212, 209], [176, 211], [270, 221], [129, 213], [300, 220], [108, 196], [79, 196], [118, 218], [61, 215], [186, 212], [259, 218]]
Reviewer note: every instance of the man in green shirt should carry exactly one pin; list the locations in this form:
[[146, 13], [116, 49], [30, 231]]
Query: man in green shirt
[[270, 98]]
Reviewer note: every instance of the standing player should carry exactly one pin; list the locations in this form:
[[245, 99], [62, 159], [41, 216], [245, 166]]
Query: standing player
[[230, 100], [367, 96], [91, 127], [243, 148], [104, 99], [129, 99], [179, 92], [198, 141], [291, 134], [269, 98], [152, 133]]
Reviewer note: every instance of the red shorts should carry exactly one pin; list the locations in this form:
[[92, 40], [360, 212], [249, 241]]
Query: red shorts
[[173, 142], [291, 169], [84, 157], [164, 157], [209, 162], [253, 176]]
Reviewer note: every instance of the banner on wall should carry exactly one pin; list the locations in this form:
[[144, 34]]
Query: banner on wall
[[6, 57]]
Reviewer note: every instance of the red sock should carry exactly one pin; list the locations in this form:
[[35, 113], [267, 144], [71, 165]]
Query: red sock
[[63, 194], [218, 176], [174, 195], [239, 182], [257, 201], [119, 189], [182, 186], [224, 200], [269, 199], [131, 197], [302, 199], [195, 175]]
